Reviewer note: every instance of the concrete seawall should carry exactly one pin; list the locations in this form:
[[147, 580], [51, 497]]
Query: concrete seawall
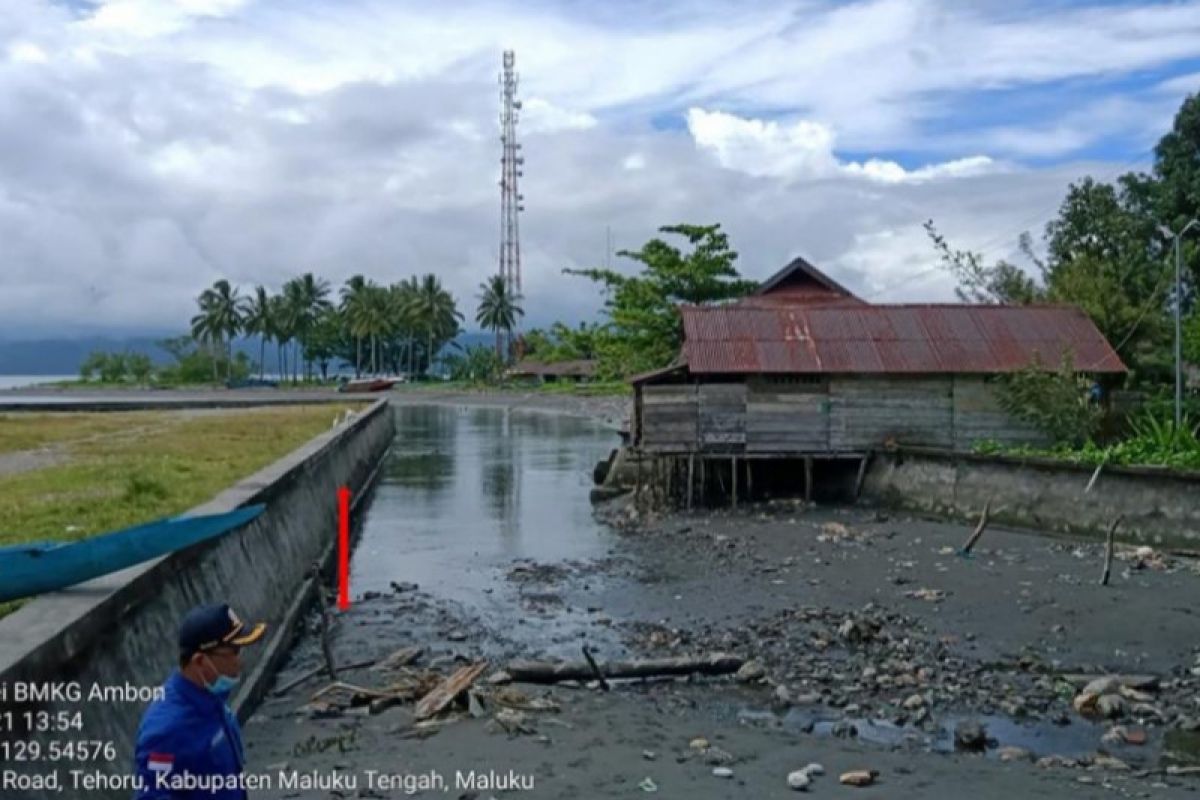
[[1160, 507], [121, 630]]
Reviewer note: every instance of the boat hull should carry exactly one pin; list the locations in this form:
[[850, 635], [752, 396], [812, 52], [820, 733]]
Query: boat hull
[[32, 569]]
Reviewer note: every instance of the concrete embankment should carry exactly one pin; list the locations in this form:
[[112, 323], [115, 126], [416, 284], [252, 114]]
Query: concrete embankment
[[120, 631], [1159, 506]]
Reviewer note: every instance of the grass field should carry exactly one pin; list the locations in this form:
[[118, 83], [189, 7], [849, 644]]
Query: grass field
[[68, 476]]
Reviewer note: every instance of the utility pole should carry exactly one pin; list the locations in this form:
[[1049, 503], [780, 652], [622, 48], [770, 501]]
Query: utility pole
[[510, 196], [1178, 321]]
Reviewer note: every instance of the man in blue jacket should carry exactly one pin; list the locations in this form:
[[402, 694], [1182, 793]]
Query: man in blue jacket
[[189, 744]]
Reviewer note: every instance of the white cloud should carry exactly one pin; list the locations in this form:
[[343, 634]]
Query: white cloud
[[161, 144], [804, 150], [541, 116], [154, 18], [27, 52]]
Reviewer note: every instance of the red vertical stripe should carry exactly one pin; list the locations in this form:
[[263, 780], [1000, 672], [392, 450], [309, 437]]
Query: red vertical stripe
[[343, 548]]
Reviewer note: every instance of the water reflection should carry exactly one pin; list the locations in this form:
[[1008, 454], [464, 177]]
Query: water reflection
[[469, 490]]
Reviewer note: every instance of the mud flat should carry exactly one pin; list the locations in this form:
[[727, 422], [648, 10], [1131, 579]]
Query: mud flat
[[876, 648]]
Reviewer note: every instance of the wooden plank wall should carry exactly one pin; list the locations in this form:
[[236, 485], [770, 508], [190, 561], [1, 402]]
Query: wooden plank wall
[[669, 415], [787, 417], [978, 416], [722, 417], [866, 412]]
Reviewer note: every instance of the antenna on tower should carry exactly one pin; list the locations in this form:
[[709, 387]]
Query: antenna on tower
[[510, 196]]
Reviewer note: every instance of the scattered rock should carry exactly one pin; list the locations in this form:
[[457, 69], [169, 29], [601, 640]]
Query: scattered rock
[[647, 785], [750, 671], [1056, 761], [782, 696], [1108, 762], [715, 756], [722, 772], [814, 769], [649, 755], [1111, 706], [914, 702], [798, 780], [1014, 754], [970, 735], [859, 777], [699, 743]]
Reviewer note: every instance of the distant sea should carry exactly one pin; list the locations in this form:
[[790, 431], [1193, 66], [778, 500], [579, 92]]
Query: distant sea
[[18, 381]]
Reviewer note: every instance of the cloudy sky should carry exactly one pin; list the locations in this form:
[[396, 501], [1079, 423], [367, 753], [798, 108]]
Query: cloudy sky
[[150, 147]]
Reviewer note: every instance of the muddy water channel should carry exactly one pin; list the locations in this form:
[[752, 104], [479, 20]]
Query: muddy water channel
[[473, 502], [875, 646]]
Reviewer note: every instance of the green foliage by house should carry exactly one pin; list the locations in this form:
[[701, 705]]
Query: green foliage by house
[[644, 330]]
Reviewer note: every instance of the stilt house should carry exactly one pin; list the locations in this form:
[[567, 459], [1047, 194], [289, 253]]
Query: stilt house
[[803, 368]]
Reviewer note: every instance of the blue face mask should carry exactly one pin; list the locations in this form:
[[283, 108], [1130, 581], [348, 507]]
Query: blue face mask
[[223, 686]]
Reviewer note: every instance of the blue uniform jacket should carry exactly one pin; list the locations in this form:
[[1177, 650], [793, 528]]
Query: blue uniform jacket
[[190, 731]]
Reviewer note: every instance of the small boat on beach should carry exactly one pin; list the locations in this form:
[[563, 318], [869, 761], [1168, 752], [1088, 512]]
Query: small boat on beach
[[368, 385], [40, 567]]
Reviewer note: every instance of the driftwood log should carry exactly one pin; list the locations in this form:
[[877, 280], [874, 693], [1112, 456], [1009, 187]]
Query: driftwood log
[[553, 672]]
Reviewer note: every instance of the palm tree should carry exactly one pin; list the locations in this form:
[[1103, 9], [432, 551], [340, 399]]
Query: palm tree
[[498, 310], [353, 306], [258, 322], [206, 328], [311, 298], [435, 313], [222, 311], [283, 318]]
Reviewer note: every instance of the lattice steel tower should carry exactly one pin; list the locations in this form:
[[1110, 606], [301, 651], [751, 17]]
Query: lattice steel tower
[[510, 196]]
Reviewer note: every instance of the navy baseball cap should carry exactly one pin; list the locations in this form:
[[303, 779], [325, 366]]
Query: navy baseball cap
[[206, 627]]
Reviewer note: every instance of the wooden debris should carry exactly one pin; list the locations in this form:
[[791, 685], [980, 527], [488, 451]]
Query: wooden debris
[[587, 654], [979, 529], [308, 675], [1108, 550], [401, 658], [448, 690], [326, 622], [549, 672]]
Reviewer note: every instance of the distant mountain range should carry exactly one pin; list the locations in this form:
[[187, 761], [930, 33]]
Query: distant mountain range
[[64, 356]]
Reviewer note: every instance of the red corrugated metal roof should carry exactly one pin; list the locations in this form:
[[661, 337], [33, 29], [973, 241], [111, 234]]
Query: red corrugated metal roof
[[890, 339]]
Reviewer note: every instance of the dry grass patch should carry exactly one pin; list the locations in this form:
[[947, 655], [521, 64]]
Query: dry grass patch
[[121, 469]]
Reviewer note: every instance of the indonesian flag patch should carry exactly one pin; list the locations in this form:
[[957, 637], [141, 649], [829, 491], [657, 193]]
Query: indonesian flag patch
[[161, 762]]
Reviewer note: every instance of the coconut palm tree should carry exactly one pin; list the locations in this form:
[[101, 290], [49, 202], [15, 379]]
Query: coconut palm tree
[[311, 295], [206, 328], [222, 311], [498, 310], [258, 322], [283, 318], [353, 305], [435, 313]]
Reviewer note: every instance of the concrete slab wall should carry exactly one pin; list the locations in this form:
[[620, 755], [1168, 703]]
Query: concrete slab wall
[[122, 629], [1160, 507]]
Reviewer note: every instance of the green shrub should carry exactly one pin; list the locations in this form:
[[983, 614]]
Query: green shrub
[[1056, 403]]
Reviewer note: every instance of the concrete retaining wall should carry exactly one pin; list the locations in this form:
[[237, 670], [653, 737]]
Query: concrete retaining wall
[[122, 629], [1160, 507]]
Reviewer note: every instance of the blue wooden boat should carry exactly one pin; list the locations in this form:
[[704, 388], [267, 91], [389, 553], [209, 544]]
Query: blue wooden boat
[[39, 567]]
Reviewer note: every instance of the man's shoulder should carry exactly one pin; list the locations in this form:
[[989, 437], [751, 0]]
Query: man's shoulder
[[172, 719]]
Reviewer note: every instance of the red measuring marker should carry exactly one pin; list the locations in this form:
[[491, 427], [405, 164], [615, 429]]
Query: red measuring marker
[[343, 496]]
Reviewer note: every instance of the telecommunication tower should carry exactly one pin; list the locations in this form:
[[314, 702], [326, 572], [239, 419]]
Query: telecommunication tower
[[510, 196]]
